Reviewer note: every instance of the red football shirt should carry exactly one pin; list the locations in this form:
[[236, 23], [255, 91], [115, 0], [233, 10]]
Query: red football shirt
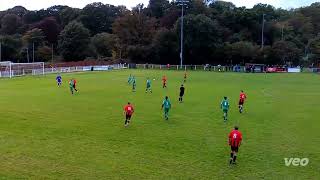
[[243, 96], [164, 79], [235, 138], [75, 82], [129, 109]]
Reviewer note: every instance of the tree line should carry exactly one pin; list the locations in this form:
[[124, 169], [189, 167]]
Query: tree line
[[215, 32]]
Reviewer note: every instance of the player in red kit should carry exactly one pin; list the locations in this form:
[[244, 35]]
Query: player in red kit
[[75, 85], [235, 138], [128, 111], [243, 97], [164, 81]]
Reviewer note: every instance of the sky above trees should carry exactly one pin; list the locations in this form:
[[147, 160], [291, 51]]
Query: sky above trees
[[43, 4]]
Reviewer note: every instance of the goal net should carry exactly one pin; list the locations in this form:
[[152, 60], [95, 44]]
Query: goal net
[[9, 69]]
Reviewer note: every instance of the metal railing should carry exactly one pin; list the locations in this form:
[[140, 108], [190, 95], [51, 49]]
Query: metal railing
[[83, 68], [235, 68], [52, 70], [192, 67]]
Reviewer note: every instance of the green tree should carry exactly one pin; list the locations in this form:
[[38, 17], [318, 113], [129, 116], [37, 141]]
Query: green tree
[[34, 36], [98, 17], [50, 28], [197, 7], [69, 14], [54, 11], [286, 51], [302, 27], [103, 44], [203, 36], [139, 53], [18, 10], [158, 7], [32, 40], [266, 9], [139, 9], [73, 41], [44, 53], [313, 13], [10, 24], [170, 18], [133, 30], [315, 49], [165, 46], [31, 17], [10, 47], [123, 11], [243, 52]]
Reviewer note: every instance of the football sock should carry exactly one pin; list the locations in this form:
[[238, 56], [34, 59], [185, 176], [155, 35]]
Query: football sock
[[234, 158]]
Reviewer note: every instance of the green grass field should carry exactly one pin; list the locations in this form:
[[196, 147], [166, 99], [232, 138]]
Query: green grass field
[[46, 133]]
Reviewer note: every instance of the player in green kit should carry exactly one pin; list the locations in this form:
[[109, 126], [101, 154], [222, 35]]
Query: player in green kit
[[166, 105], [134, 84], [225, 108], [71, 85], [148, 85], [130, 78]]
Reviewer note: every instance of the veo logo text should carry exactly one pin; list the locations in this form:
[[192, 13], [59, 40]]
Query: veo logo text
[[296, 161]]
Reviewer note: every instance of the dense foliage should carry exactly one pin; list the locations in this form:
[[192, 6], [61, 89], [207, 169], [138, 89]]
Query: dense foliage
[[214, 32]]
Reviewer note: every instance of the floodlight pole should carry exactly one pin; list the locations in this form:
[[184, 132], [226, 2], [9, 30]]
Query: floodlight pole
[[262, 33], [10, 69], [33, 52], [182, 3], [0, 52], [282, 28], [43, 68], [28, 54], [52, 52], [181, 39]]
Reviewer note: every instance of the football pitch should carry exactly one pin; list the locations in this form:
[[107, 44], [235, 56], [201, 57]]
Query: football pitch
[[46, 133]]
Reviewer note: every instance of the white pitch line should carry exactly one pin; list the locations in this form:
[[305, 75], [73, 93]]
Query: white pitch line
[[266, 94]]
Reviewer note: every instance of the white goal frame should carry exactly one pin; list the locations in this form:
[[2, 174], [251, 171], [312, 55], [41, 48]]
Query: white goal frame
[[10, 69]]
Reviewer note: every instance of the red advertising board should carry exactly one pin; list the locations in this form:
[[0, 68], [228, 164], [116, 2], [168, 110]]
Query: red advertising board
[[276, 69]]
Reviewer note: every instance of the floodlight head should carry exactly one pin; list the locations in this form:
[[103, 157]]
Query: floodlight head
[[182, 2]]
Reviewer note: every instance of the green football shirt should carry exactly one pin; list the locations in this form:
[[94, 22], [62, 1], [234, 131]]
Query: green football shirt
[[166, 104], [225, 105]]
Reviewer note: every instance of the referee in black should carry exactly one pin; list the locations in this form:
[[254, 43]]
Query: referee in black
[[181, 93]]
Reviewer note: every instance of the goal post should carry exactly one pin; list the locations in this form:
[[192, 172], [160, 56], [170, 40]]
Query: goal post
[[5, 69], [9, 69]]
